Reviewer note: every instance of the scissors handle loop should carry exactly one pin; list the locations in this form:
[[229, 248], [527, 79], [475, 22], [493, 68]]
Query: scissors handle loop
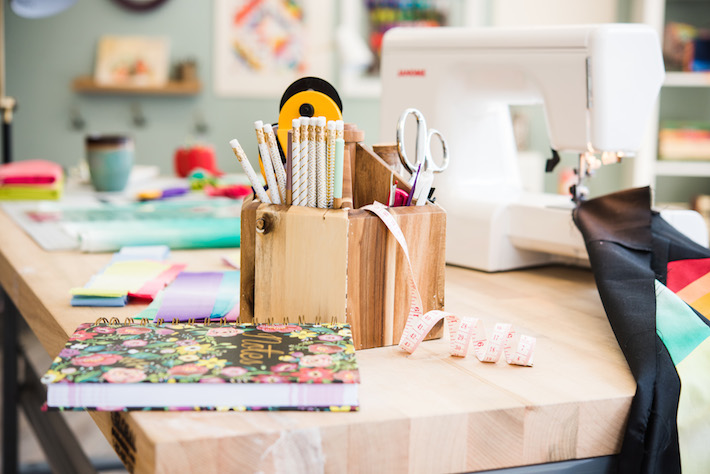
[[444, 152], [423, 145]]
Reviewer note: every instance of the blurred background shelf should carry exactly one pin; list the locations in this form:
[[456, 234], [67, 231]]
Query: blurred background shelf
[[87, 85], [683, 168], [687, 79]]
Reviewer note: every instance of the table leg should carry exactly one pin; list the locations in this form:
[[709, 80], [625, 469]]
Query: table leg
[[9, 385]]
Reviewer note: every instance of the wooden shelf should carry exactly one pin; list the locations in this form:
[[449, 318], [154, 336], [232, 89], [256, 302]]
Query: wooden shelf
[[683, 168], [87, 85], [687, 79]]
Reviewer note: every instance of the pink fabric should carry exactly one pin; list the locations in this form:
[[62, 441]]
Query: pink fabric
[[30, 172]]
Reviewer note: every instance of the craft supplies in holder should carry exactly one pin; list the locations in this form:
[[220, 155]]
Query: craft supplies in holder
[[308, 264]]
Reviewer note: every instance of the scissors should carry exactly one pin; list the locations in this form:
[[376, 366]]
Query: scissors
[[423, 156]]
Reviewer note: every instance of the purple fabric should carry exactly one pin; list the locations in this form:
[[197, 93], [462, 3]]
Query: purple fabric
[[191, 295]]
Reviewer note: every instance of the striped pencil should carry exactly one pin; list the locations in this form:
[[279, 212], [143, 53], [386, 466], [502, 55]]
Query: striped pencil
[[305, 178], [295, 161], [330, 158], [279, 170], [312, 176], [321, 165], [249, 171], [266, 162]]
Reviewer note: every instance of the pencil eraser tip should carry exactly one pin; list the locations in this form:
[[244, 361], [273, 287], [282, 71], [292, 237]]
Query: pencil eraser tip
[[234, 143], [339, 125], [267, 127], [259, 124], [296, 122], [321, 121], [331, 125], [313, 121]]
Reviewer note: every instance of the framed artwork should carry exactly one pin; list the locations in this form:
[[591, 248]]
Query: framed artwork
[[262, 46], [362, 26], [138, 61]]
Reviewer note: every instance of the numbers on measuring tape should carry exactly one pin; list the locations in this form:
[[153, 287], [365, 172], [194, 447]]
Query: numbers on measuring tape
[[463, 331]]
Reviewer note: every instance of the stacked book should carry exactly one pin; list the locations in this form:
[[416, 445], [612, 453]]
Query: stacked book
[[684, 141]]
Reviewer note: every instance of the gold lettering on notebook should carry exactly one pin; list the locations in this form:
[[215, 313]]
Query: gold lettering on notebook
[[257, 347]]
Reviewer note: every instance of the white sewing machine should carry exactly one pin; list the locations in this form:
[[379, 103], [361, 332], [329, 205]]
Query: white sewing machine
[[598, 85]]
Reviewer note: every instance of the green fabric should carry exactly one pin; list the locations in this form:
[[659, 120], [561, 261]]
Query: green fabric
[[677, 325], [688, 342]]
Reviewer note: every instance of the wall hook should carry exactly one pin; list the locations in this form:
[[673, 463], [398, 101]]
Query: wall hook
[[139, 119], [200, 123], [76, 120]]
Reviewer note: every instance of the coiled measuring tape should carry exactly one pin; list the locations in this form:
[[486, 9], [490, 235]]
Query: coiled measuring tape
[[463, 331]]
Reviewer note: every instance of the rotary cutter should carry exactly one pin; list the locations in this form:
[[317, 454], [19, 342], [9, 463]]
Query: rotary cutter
[[307, 97]]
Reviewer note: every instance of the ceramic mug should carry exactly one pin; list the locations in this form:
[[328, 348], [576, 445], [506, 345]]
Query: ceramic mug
[[110, 159]]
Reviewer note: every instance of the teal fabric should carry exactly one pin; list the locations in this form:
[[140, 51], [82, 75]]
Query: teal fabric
[[677, 325], [227, 294]]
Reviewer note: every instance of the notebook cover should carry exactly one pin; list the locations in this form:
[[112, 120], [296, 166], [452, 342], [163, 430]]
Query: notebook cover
[[205, 354]]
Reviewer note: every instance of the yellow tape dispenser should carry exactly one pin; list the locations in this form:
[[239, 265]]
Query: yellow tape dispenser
[[307, 97]]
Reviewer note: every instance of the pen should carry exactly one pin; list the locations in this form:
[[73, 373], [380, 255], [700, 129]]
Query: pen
[[152, 194], [414, 186], [266, 162], [244, 161]]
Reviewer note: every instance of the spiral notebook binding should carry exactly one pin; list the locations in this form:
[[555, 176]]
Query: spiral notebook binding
[[207, 321]]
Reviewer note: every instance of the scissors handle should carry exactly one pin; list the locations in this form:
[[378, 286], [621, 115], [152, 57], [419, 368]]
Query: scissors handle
[[421, 139], [430, 164], [423, 154]]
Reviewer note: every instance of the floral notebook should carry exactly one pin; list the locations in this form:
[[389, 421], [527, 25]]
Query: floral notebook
[[201, 366]]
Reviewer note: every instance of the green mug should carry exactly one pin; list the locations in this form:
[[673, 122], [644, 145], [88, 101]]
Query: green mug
[[110, 159]]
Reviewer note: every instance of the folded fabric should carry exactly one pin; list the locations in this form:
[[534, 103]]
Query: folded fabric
[[30, 172], [142, 252], [134, 271], [32, 192], [139, 278], [654, 283], [105, 301], [197, 295]]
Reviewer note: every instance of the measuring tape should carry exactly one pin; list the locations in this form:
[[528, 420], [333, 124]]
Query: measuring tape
[[462, 331]]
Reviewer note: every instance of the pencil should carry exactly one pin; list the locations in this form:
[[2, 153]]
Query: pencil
[[249, 171], [321, 165], [330, 154], [303, 161], [279, 171], [312, 176], [289, 168], [296, 161], [266, 162], [338, 175]]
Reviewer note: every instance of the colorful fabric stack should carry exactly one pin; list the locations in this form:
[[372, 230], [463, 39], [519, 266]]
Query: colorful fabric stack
[[30, 180], [137, 272], [196, 296], [654, 283]]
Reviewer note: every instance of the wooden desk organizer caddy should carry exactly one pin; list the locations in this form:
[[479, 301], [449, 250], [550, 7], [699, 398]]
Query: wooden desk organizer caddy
[[301, 263]]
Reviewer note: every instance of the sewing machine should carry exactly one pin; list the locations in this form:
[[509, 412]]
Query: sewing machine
[[597, 84]]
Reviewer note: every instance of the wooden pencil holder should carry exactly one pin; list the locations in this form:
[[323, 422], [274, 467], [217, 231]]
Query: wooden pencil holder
[[306, 264]]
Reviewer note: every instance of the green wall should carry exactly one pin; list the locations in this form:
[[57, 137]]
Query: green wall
[[45, 55]]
